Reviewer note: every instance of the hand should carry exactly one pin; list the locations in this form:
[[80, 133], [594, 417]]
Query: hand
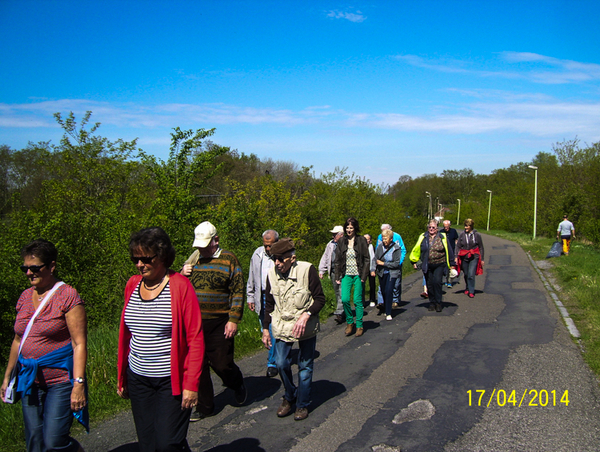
[[78, 397], [415, 265], [230, 329], [123, 393], [3, 390], [378, 262], [186, 270], [300, 325], [189, 399], [266, 338], [338, 282], [321, 275], [251, 306], [373, 274]]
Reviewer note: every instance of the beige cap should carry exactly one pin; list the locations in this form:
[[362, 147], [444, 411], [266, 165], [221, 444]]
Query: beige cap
[[337, 229], [204, 233]]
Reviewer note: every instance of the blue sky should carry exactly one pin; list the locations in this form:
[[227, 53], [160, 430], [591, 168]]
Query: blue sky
[[382, 88]]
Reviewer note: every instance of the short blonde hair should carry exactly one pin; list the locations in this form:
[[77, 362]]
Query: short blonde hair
[[387, 233], [469, 222]]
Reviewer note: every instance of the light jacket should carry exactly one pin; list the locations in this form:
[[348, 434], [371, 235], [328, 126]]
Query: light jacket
[[187, 337], [421, 251], [396, 239], [254, 284], [327, 262], [394, 265]]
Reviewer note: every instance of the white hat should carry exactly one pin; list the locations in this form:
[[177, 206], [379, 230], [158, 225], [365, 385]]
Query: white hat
[[337, 230], [204, 233]]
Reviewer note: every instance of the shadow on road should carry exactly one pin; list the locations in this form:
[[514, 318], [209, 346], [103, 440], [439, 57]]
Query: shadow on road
[[242, 444], [324, 390]]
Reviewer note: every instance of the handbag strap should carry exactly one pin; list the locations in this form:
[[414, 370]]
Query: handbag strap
[[37, 311]]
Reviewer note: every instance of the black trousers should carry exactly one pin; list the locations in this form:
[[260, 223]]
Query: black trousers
[[434, 276], [218, 356], [160, 423]]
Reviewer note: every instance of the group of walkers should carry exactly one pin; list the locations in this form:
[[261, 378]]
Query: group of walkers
[[176, 326]]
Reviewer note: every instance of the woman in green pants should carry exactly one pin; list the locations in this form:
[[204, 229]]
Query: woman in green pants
[[351, 271]]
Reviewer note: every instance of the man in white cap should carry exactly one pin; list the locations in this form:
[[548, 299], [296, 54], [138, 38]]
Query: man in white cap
[[217, 276], [326, 265]]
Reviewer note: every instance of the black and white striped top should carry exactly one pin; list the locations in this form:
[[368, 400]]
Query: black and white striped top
[[150, 324]]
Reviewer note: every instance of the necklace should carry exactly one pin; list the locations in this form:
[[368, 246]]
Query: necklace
[[155, 286]]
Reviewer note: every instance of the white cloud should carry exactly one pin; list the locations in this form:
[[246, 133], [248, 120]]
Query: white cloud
[[352, 17]]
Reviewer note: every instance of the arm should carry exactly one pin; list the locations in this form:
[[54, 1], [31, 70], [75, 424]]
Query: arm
[[402, 250], [12, 360], [269, 307], [236, 298], [325, 260], [480, 245], [314, 285], [77, 325], [250, 287]]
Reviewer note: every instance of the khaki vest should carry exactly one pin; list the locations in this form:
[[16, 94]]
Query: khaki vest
[[292, 299]]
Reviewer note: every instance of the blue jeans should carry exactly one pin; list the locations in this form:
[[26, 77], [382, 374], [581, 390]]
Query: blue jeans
[[48, 417], [305, 369], [469, 269], [387, 286], [271, 360]]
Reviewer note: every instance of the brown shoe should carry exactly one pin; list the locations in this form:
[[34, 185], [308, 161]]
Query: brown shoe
[[285, 408], [301, 414], [338, 319], [359, 332], [349, 329]]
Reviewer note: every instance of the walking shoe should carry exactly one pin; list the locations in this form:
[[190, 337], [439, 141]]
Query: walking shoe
[[359, 332], [198, 416], [338, 319], [466, 291], [449, 285], [424, 295], [389, 317], [272, 372], [471, 295], [395, 305], [285, 407], [349, 329], [241, 394], [372, 304], [438, 307], [431, 307], [301, 414]]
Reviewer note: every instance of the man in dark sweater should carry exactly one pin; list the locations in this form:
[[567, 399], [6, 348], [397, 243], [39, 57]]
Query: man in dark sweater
[[217, 276]]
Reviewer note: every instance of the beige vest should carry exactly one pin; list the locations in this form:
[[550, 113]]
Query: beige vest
[[292, 298]]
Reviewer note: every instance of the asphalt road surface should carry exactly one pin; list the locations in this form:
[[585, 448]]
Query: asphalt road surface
[[492, 373]]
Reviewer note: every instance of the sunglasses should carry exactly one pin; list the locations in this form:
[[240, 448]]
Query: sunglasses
[[145, 259], [280, 258], [33, 268], [432, 227]]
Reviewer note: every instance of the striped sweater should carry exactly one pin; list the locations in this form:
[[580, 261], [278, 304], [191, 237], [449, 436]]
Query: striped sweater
[[219, 285]]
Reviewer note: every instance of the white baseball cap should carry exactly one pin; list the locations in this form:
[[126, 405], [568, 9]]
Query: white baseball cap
[[337, 230], [204, 233]]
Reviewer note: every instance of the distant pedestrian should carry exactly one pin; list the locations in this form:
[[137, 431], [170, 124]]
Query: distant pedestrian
[[452, 237], [435, 254], [352, 268], [387, 259], [469, 258], [398, 287], [260, 264], [292, 305], [327, 265], [566, 231], [373, 266]]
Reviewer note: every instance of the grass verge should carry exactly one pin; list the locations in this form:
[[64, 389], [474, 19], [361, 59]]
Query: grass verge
[[578, 286]]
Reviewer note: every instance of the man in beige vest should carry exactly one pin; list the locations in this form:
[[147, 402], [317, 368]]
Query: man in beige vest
[[294, 297]]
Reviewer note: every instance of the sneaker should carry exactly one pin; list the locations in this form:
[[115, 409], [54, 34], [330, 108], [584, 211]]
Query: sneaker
[[241, 394], [371, 304], [301, 414], [466, 291], [198, 416], [449, 285], [424, 295], [272, 372], [395, 305], [471, 295], [389, 317], [338, 319]]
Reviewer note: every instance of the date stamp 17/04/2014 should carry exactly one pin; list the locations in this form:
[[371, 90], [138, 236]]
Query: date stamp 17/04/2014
[[529, 397]]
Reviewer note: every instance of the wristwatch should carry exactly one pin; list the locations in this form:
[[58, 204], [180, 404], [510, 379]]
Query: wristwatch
[[308, 312], [79, 380]]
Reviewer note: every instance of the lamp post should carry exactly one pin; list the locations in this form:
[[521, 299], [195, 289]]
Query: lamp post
[[458, 216], [489, 209], [534, 201], [428, 206]]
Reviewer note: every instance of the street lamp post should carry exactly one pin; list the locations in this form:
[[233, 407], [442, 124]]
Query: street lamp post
[[458, 216], [428, 206], [489, 210], [534, 201]]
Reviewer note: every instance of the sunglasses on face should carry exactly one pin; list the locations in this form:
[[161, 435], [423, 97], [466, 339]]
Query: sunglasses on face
[[432, 227], [280, 258], [33, 268], [144, 259]]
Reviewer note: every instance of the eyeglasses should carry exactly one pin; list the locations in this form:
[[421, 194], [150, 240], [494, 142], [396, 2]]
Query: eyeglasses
[[145, 259], [33, 268], [431, 227], [280, 258]]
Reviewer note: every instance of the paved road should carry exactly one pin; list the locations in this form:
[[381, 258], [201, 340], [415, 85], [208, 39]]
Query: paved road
[[404, 385]]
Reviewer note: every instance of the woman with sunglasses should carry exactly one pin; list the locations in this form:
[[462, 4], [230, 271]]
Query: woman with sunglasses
[[435, 254], [352, 268], [56, 342], [161, 345]]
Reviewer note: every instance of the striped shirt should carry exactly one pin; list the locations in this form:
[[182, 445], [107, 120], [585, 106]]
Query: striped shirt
[[150, 324]]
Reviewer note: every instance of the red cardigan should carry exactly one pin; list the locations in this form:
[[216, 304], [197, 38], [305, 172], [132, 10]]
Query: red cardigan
[[187, 340]]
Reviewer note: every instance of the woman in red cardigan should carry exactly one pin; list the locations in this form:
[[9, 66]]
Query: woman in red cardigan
[[161, 345]]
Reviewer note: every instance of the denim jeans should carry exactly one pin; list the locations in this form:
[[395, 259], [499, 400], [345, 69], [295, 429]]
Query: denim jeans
[[347, 283], [387, 286], [48, 417], [305, 369], [397, 290], [469, 269], [271, 360]]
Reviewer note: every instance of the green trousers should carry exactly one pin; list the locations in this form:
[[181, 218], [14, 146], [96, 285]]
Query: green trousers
[[347, 283]]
